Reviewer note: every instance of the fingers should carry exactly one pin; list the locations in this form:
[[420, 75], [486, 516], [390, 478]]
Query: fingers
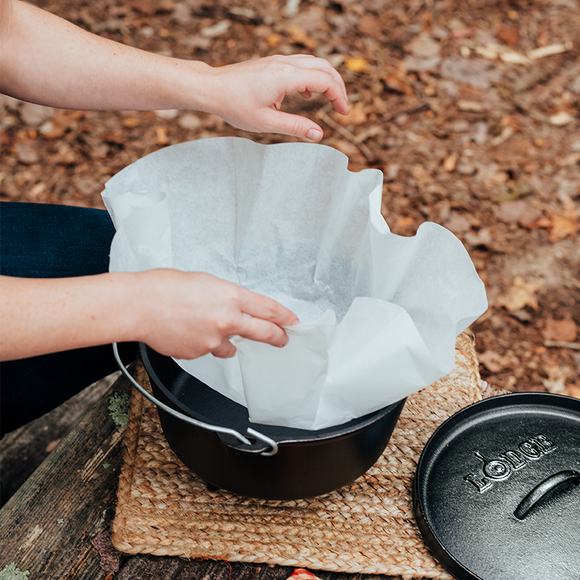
[[336, 89], [261, 319], [263, 326], [225, 350], [249, 95], [262, 330], [306, 75], [261, 307], [253, 329], [290, 124]]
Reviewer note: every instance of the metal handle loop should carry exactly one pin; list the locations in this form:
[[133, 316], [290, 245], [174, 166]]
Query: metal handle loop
[[217, 429], [265, 439]]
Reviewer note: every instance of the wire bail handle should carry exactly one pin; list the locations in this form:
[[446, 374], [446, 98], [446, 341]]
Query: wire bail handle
[[273, 446]]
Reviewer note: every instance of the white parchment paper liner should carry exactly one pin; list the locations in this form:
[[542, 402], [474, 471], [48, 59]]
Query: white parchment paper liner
[[379, 312]]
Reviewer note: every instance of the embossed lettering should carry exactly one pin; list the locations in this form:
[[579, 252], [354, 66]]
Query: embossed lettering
[[495, 468], [480, 484], [531, 449], [517, 461], [546, 444], [502, 466]]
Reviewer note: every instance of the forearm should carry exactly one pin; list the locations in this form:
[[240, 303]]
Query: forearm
[[180, 314], [47, 60], [75, 69], [39, 316]]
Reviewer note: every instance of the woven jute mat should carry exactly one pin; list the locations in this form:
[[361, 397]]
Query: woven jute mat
[[366, 527]]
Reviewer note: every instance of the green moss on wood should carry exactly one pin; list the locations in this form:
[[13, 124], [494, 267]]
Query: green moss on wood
[[119, 409], [11, 572]]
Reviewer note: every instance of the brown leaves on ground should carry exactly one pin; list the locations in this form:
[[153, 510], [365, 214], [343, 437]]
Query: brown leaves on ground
[[563, 227], [472, 112], [519, 295], [561, 330]]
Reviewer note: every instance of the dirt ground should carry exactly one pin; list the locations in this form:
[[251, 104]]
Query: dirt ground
[[470, 108]]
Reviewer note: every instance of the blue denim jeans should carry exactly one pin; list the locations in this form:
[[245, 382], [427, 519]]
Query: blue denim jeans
[[52, 241]]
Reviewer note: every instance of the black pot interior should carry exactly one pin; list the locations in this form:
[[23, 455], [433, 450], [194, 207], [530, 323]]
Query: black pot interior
[[194, 398]]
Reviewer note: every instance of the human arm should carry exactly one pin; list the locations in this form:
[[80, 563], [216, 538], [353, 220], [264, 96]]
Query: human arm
[[47, 60], [180, 314]]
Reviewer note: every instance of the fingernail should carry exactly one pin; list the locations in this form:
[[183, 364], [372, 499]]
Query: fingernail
[[314, 134]]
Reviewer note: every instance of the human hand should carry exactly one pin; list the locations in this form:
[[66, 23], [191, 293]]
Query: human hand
[[189, 314], [248, 95]]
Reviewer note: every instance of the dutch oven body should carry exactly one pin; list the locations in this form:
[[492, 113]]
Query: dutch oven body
[[303, 463]]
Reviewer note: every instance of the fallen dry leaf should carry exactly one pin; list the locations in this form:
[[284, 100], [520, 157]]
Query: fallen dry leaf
[[495, 362], [299, 36], [52, 130], [562, 330], [346, 147], [519, 211], [66, 155], [370, 25], [477, 73], [37, 192], [217, 29], [274, 40], [520, 295], [570, 208], [357, 64], [562, 227], [26, 153], [150, 7], [462, 32], [557, 377], [357, 115], [561, 118], [471, 106], [130, 122], [457, 223], [424, 47], [403, 224], [483, 237], [161, 135], [573, 390], [33, 115], [510, 34], [421, 175], [450, 162], [491, 360], [397, 84], [60, 123], [544, 222]]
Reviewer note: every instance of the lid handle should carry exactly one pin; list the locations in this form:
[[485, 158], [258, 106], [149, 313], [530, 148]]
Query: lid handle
[[549, 484]]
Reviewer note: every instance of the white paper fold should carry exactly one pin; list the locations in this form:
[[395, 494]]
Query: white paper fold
[[379, 312]]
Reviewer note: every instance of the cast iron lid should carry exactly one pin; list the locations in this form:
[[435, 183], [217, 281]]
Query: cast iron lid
[[497, 489]]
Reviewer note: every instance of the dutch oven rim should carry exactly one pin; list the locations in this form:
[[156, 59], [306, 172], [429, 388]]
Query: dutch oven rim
[[289, 435]]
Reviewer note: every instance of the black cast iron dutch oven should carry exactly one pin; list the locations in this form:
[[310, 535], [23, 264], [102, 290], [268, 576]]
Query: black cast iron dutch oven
[[212, 436]]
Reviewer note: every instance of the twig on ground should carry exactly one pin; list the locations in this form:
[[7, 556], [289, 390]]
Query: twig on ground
[[407, 111], [366, 152], [562, 344]]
